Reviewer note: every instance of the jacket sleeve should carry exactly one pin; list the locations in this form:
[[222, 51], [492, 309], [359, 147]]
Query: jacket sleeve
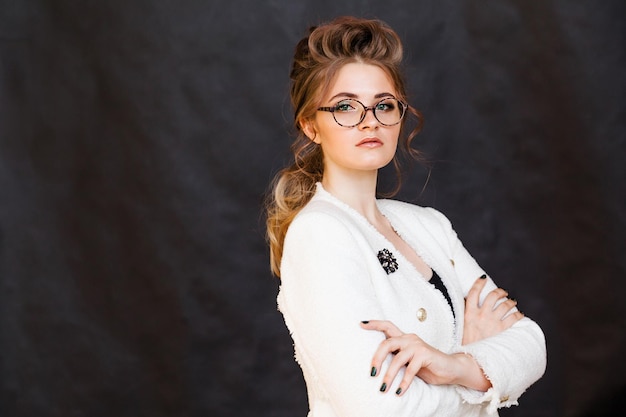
[[513, 359], [326, 291]]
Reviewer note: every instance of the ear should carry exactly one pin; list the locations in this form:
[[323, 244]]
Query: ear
[[309, 129]]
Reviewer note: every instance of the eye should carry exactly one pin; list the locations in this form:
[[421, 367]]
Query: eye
[[345, 106], [386, 105]]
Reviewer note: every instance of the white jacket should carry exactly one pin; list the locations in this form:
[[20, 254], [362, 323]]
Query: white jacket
[[331, 280]]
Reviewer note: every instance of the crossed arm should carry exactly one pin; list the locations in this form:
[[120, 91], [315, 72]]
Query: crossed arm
[[408, 350]]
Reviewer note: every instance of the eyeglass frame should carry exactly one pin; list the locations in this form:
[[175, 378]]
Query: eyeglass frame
[[402, 104]]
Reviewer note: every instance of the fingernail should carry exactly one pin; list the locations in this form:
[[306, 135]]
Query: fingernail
[[383, 387], [365, 321], [483, 276], [374, 371], [399, 391]]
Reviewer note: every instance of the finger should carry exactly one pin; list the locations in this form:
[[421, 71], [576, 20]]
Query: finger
[[409, 374], [505, 307], [399, 360], [385, 348], [493, 297], [513, 318], [474, 292], [385, 326]]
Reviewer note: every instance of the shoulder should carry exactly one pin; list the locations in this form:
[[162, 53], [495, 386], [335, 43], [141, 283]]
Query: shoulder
[[321, 212], [323, 231], [321, 217]]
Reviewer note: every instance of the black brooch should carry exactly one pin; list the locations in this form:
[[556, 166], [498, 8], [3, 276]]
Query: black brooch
[[387, 261]]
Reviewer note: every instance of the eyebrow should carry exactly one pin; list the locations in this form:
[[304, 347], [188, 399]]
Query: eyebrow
[[352, 95]]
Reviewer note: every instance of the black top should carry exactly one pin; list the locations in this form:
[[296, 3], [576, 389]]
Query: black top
[[438, 283]]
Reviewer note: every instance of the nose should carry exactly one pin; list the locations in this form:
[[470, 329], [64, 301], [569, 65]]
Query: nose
[[369, 119]]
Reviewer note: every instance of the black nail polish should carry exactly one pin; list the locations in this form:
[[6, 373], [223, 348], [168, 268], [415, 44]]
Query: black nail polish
[[399, 391], [383, 387], [374, 371], [365, 321], [483, 276]]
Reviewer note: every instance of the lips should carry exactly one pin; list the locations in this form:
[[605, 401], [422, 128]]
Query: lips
[[370, 142]]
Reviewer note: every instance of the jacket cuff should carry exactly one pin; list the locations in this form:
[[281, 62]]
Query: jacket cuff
[[492, 398]]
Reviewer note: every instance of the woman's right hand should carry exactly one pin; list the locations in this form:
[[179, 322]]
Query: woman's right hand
[[489, 318], [422, 360]]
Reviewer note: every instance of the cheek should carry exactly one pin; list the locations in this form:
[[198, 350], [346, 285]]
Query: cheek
[[395, 137], [332, 136]]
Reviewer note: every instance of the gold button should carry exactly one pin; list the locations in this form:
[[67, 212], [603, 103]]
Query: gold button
[[421, 314], [452, 262], [504, 399]]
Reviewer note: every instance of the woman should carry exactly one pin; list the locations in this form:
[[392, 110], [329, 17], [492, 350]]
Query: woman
[[389, 314]]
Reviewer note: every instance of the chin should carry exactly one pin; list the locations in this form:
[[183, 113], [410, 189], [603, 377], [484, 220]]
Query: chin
[[377, 165]]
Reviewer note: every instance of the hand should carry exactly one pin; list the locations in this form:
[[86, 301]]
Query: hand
[[490, 318], [422, 360]]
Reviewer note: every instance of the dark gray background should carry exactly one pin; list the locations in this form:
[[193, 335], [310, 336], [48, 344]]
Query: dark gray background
[[137, 139]]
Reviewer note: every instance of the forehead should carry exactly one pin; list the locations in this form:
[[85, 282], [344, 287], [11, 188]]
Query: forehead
[[362, 80]]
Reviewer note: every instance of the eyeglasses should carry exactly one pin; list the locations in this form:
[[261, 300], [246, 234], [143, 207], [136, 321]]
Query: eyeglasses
[[350, 112]]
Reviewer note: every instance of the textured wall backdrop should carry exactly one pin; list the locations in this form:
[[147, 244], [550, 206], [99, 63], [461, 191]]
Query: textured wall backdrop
[[137, 139]]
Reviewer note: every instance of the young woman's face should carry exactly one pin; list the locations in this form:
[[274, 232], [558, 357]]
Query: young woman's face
[[368, 146]]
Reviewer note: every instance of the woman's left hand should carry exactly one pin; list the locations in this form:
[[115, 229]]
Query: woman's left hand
[[422, 360], [494, 315]]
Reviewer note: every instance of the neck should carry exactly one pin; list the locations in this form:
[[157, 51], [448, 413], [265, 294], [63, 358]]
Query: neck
[[358, 191]]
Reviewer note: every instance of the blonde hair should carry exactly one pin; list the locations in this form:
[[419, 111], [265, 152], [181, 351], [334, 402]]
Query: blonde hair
[[317, 59]]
